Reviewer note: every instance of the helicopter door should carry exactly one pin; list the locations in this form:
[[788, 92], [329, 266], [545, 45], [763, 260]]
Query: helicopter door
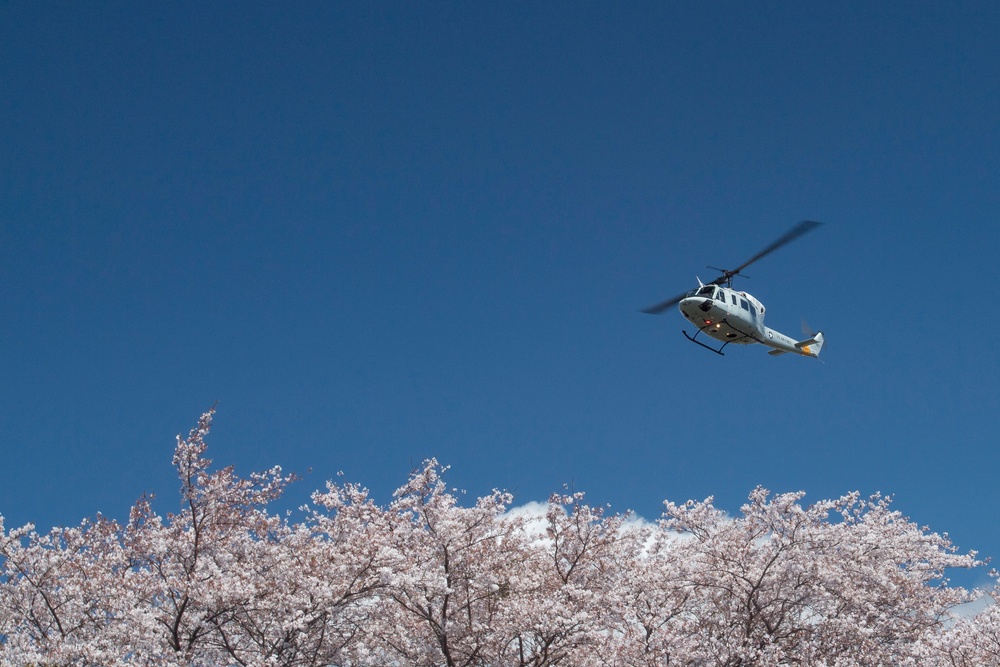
[[745, 305], [755, 318]]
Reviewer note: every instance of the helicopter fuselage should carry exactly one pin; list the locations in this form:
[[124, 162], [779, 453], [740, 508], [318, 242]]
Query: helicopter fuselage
[[728, 316], [734, 317]]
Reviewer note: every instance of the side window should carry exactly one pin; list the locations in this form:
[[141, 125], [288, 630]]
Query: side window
[[720, 296], [733, 296], [745, 304]]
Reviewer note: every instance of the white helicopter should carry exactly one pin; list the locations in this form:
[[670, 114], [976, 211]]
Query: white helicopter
[[729, 316]]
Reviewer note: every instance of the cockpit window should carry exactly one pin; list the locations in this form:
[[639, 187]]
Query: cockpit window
[[707, 290]]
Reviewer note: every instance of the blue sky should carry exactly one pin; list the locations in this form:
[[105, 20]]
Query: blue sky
[[376, 233]]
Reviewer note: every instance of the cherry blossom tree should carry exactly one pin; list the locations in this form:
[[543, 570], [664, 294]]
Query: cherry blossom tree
[[426, 581], [196, 572], [60, 593], [783, 584], [973, 641], [456, 589]]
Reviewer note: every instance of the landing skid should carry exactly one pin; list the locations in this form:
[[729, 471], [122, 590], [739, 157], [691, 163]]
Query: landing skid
[[709, 347]]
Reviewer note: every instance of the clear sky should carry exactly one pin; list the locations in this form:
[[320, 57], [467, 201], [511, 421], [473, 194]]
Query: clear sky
[[377, 233]]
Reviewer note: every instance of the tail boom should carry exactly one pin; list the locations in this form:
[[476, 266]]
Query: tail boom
[[782, 344]]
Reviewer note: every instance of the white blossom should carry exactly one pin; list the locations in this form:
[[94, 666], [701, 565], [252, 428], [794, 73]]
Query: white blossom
[[426, 581]]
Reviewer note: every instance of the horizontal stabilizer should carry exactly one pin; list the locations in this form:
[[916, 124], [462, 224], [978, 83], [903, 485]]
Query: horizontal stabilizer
[[811, 346], [776, 352]]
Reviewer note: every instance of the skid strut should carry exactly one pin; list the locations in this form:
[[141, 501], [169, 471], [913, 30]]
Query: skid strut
[[709, 347], [694, 340]]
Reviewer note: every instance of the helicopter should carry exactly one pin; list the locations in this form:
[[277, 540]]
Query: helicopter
[[730, 316]]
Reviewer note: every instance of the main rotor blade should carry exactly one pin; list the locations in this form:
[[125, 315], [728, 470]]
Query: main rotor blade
[[789, 236], [661, 307]]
